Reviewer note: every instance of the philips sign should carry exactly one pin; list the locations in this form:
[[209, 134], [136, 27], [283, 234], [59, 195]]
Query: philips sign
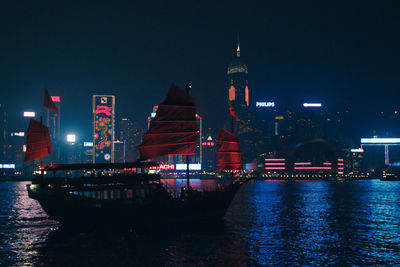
[[265, 104]]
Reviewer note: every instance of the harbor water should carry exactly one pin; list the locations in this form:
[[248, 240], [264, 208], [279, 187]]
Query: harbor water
[[271, 223]]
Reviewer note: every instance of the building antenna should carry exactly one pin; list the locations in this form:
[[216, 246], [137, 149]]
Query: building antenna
[[238, 47]]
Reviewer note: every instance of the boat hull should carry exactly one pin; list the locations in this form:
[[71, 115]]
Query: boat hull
[[139, 205]]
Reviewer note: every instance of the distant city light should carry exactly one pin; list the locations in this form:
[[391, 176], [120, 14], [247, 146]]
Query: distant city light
[[279, 118], [153, 114], [71, 138], [265, 104], [29, 114], [380, 140], [24, 148], [312, 105], [275, 159], [274, 168], [302, 163], [88, 144], [7, 166], [274, 163], [356, 150], [192, 167], [55, 99]]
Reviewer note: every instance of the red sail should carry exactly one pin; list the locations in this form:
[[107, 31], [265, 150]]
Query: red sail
[[229, 154], [174, 129], [38, 142]]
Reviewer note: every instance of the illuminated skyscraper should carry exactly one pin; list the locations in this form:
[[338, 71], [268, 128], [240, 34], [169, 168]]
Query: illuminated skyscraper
[[103, 128], [130, 136], [238, 88], [3, 133]]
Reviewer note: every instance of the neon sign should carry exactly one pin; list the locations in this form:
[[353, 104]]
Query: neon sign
[[104, 109], [265, 104], [55, 99], [87, 144], [164, 167]]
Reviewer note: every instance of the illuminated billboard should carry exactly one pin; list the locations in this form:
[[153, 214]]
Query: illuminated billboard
[[192, 167], [87, 144], [55, 99], [380, 140], [29, 114], [103, 128], [312, 105], [265, 104]]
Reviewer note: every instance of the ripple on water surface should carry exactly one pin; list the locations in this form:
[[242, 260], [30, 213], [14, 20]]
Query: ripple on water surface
[[269, 223]]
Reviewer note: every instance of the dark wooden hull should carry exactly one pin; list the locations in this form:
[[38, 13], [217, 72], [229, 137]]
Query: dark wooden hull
[[146, 203]]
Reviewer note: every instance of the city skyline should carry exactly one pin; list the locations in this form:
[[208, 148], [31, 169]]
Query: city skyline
[[342, 60]]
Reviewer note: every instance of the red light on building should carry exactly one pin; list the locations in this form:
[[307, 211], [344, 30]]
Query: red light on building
[[208, 143], [56, 99]]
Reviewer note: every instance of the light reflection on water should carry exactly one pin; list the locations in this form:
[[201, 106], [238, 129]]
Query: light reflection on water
[[269, 223]]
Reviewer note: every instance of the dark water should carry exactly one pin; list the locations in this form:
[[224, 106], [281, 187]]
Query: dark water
[[269, 223]]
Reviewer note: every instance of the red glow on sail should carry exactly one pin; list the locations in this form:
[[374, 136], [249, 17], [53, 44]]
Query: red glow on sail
[[233, 114], [229, 154], [38, 142], [174, 128]]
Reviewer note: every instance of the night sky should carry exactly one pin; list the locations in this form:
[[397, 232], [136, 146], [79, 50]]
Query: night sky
[[339, 53]]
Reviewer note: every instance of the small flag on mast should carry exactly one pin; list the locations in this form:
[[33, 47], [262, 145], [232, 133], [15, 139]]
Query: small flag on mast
[[48, 103]]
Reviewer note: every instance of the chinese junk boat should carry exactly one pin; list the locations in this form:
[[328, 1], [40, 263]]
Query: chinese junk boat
[[125, 193]]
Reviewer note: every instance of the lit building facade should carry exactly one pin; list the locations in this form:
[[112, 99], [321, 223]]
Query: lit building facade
[[210, 147], [238, 89], [103, 128]]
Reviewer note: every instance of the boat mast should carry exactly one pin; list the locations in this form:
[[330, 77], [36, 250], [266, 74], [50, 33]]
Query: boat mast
[[41, 158], [188, 87]]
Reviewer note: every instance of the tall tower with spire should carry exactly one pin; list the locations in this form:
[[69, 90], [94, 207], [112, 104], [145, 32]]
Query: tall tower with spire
[[238, 89]]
